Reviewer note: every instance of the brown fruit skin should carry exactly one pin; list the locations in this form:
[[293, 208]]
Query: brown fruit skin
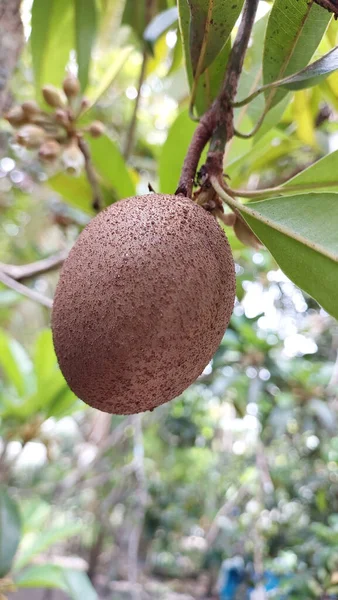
[[142, 303]]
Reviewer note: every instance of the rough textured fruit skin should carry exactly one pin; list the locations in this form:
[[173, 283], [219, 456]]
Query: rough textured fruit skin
[[142, 302]]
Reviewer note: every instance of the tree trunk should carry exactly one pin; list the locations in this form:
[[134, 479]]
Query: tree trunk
[[11, 43]]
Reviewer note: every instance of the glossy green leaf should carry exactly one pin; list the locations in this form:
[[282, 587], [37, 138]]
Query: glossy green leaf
[[44, 576], [159, 25], [293, 34], [10, 531], [44, 540], [322, 175], [79, 585], [173, 152], [85, 32], [209, 83], [211, 23], [314, 73], [15, 363], [111, 166], [52, 39], [301, 233]]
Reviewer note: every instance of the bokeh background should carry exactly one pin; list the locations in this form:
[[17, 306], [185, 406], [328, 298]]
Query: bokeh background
[[231, 490]]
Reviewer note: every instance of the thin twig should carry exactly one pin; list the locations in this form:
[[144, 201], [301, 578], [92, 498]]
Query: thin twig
[[217, 122], [19, 272], [97, 203], [25, 291], [132, 126], [114, 438], [150, 7], [226, 509], [141, 496], [224, 129]]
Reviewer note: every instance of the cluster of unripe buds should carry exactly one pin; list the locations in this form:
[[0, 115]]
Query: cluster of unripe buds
[[55, 135]]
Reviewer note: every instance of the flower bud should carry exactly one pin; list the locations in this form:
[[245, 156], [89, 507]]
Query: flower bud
[[61, 116], [71, 86], [30, 136], [16, 116], [49, 150], [53, 96], [73, 159], [85, 103], [30, 108], [96, 129]]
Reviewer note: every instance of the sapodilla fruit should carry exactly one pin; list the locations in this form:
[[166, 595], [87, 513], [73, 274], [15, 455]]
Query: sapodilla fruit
[[142, 303]]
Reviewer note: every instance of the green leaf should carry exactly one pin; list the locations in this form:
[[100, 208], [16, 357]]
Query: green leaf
[[64, 404], [44, 576], [293, 34], [322, 175], [15, 363], [328, 535], [52, 39], [44, 356], [273, 117], [174, 150], [264, 152], [42, 541], [85, 32], [79, 585], [301, 234], [159, 25], [211, 23], [75, 190], [321, 500], [209, 83], [51, 392], [135, 15], [312, 74], [10, 531], [111, 166]]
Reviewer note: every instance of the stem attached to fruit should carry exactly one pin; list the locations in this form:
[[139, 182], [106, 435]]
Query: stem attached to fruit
[[217, 123]]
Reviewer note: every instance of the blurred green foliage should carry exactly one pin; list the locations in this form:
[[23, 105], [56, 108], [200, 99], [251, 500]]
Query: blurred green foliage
[[245, 462]]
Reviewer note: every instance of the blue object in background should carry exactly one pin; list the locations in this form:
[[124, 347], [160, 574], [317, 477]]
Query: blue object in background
[[233, 574]]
